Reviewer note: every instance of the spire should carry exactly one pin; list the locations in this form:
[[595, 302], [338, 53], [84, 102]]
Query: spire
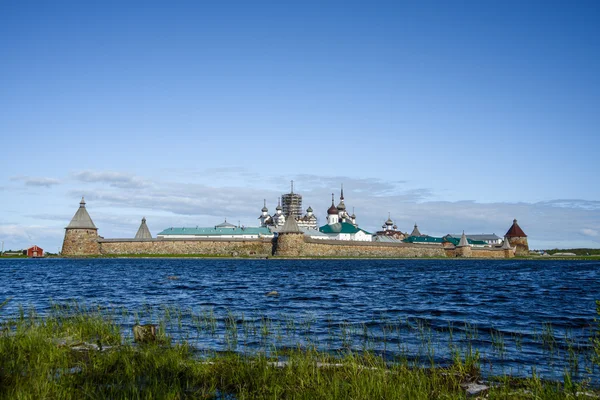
[[143, 231], [342, 206], [389, 221], [463, 240], [292, 192], [415, 231], [81, 219], [279, 204], [265, 209]]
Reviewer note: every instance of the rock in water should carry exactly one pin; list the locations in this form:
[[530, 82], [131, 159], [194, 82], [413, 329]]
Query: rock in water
[[144, 333], [273, 293], [475, 389]]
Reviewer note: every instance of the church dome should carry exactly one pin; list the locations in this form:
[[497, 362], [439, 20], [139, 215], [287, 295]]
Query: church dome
[[309, 209], [332, 210]]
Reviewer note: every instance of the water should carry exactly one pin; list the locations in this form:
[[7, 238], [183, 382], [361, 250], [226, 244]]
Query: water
[[520, 315]]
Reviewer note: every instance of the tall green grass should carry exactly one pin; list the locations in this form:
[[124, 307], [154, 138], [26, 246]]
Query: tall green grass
[[76, 352]]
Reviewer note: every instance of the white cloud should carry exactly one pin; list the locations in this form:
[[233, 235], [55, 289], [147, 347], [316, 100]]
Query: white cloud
[[36, 181], [190, 204], [114, 179], [590, 232]]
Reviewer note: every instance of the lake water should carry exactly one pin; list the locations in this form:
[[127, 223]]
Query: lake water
[[518, 314]]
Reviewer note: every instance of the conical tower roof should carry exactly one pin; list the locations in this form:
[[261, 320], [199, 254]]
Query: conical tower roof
[[506, 244], [463, 240], [415, 231], [515, 230], [81, 219], [143, 232], [290, 225]]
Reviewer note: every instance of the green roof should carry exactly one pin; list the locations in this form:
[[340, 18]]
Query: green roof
[[341, 227], [216, 231], [448, 238], [423, 239], [455, 241]]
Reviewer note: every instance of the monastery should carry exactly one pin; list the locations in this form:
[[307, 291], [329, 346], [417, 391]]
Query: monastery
[[290, 233]]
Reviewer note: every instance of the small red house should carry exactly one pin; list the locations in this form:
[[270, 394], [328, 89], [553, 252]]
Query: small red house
[[35, 251]]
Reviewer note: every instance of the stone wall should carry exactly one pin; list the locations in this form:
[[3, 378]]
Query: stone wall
[[80, 242], [294, 245], [215, 247], [476, 252], [521, 244], [86, 242]]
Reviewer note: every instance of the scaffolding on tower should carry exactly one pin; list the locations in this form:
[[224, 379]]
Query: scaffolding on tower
[[292, 204]]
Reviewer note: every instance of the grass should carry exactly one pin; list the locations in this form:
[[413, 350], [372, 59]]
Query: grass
[[76, 352]]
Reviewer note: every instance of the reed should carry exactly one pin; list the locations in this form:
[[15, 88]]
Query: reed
[[78, 352]]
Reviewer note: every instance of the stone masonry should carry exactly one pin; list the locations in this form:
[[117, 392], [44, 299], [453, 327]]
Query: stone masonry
[[81, 242]]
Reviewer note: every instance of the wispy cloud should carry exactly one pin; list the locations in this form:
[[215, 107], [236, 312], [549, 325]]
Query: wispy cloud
[[112, 178], [590, 232], [566, 221], [36, 181]]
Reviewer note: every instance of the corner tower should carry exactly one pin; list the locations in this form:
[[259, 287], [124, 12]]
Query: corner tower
[[81, 235], [517, 238]]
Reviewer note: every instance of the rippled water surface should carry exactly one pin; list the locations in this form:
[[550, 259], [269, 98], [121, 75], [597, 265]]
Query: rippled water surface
[[519, 314]]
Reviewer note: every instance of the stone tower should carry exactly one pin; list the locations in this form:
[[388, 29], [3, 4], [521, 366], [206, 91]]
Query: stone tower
[[81, 235], [290, 240], [517, 238], [143, 231], [463, 249]]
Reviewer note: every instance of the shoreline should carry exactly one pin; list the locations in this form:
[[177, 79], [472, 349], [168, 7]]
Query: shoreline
[[228, 257], [74, 351]]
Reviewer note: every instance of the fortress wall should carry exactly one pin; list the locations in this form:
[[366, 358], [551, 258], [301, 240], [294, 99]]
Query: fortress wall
[[296, 245], [474, 252], [216, 247]]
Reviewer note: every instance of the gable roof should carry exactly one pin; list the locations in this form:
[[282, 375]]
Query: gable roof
[[216, 231], [478, 237], [143, 232], [515, 230], [226, 225], [422, 239], [81, 219], [341, 227]]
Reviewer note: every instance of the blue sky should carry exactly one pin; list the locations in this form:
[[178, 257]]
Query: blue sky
[[455, 115]]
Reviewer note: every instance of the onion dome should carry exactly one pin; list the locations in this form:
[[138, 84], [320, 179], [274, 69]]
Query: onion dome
[[395, 227], [389, 221], [265, 209], [332, 210], [278, 208]]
